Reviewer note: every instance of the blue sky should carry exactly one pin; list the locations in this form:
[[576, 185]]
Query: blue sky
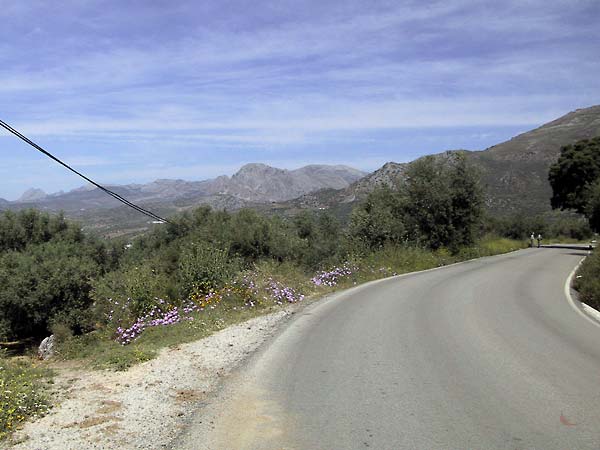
[[138, 90]]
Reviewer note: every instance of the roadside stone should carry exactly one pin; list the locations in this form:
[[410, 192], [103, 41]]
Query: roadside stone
[[46, 349]]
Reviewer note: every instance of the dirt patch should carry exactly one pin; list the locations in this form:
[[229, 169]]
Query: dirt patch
[[109, 406], [148, 398], [93, 421], [189, 395], [99, 387]]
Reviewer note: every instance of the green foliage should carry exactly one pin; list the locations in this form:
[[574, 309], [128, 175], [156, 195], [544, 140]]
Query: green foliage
[[21, 393], [45, 283], [395, 259], [587, 281], [490, 245], [203, 268], [574, 179], [576, 228], [245, 234], [17, 230], [101, 350], [519, 226], [129, 292], [378, 221], [439, 204], [558, 226], [317, 240], [250, 235], [444, 201], [592, 210], [46, 269]]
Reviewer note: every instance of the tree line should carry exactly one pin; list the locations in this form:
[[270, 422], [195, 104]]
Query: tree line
[[55, 276], [575, 180]]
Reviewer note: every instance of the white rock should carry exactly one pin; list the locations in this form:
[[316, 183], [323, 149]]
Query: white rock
[[46, 349]]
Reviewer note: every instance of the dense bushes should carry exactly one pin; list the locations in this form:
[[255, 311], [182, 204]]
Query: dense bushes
[[572, 175], [587, 281], [203, 268], [378, 221], [575, 179], [439, 204], [202, 251], [521, 227], [29, 227], [46, 270], [55, 277]]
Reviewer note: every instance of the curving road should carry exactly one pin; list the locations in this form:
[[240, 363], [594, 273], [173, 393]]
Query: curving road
[[487, 354]]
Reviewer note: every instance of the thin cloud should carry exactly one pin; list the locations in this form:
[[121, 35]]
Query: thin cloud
[[288, 76]]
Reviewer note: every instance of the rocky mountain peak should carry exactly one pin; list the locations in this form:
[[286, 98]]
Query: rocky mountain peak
[[32, 195], [254, 170]]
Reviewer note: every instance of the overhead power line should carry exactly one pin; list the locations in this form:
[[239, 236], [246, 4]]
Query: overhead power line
[[106, 190]]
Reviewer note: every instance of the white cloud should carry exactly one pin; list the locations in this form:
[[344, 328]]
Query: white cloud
[[292, 79]]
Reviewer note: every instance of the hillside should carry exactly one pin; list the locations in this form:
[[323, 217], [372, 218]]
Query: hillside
[[252, 185], [514, 173]]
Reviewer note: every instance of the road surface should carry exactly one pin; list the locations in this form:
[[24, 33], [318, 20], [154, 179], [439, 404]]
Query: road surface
[[487, 354]]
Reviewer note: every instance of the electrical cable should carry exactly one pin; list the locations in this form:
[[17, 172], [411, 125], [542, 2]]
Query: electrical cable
[[106, 190]]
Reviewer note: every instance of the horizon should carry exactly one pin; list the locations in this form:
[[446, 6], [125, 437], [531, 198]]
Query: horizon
[[92, 187], [128, 95]]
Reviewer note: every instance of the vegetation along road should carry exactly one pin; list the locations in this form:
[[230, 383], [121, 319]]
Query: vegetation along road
[[484, 354]]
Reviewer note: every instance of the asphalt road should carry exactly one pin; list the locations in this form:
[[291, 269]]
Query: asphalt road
[[487, 354]]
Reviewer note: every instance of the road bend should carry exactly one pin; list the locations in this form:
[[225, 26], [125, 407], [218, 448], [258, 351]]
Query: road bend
[[487, 354]]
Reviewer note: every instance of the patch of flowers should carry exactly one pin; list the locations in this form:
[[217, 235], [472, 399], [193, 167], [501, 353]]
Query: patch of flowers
[[21, 395], [244, 292], [246, 289], [200, 301], [164, 314], [282, 294], [332, 277]]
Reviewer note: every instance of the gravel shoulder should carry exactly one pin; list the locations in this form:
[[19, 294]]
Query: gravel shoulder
[[147, 406]]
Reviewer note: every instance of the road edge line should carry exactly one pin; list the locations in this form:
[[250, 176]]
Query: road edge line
[[590, 314]]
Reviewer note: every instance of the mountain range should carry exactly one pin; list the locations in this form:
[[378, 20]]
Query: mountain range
[[514, 174], [253, 185]]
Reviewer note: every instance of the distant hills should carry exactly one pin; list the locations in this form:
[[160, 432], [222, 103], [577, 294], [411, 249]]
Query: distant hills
[[515, 174], [253, 185], [516, 171], [32, 195]]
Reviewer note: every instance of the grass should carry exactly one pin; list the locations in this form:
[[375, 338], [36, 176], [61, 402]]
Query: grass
[[22, 386], [99, 350], [587, 280], [391, 260], [23, 381]]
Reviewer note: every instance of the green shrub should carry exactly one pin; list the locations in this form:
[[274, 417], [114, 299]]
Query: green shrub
[[43, 282], [439, 203], [317, 239], [203, 268], [23, 228], [571, 227], [378, 221], [587, 280], [125, 294]]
